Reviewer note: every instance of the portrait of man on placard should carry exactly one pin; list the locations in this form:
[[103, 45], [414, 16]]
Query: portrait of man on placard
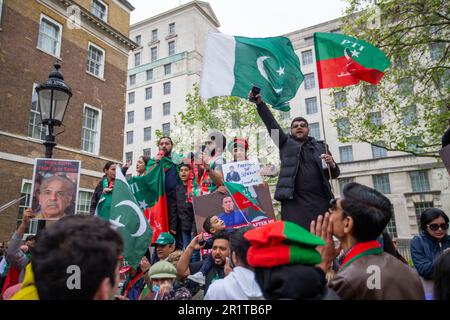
[[55, 188]]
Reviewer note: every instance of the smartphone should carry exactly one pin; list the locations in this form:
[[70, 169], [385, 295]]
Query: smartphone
[[255, 91], [202, 242]]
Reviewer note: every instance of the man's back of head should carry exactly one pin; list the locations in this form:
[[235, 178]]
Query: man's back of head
[[83, 246], [369, 209], [239, 247]]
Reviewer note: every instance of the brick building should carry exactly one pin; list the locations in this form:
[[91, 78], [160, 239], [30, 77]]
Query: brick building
[[90, 38]]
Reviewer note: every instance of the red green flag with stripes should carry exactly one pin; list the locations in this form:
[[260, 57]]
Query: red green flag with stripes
[[343, 60]]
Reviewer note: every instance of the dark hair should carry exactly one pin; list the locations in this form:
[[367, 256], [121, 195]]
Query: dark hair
[[207, 224], [185, 165], [441, 276], [296, 119], [85, 241], [165, 137], [221, 235], [108, 165], [429, 215], [369, 209], [31, 237], [216, 135], [145, 159], [240, 245]]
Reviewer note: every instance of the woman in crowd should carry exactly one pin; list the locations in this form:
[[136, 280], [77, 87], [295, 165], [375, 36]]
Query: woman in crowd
[[442, 277], [429, 245], [141, 164]]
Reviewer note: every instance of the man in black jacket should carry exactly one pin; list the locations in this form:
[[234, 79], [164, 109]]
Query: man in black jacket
[[303, 186]]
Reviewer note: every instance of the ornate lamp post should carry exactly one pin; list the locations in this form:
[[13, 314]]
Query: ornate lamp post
[[53, 98]]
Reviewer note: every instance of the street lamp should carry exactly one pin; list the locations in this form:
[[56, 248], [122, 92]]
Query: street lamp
[[53, 98]]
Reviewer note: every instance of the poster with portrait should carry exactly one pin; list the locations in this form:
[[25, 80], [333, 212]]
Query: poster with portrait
[[242, 172], [55, 187], [225, 207]]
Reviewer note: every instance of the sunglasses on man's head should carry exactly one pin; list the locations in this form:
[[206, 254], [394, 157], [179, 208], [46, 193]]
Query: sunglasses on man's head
[[299, 125], [436, 226]]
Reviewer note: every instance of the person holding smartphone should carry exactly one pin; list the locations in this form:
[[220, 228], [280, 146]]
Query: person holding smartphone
[[307, 166]]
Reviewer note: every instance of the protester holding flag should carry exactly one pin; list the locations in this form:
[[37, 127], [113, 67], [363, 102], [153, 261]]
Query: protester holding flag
[[106, 185], [303, 187]]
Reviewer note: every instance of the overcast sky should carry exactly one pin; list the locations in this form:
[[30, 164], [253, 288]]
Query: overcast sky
[[253, 18]]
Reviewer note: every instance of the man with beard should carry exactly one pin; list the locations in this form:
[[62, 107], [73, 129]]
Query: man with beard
[[220, 251], [303, 186]]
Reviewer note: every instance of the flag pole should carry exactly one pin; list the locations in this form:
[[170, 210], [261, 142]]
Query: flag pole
[[325, 139], [243, 215]]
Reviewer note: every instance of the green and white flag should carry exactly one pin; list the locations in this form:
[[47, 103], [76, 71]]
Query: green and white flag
[[129, 220], [232, 65]]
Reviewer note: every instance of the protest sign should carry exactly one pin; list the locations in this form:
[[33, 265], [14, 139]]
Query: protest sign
[[243, 172], [55, 188]]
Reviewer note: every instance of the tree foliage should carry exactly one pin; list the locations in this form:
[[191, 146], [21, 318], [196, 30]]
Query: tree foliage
[[413, 98]]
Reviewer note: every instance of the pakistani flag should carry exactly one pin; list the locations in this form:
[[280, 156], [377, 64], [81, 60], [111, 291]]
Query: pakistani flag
[[129, 220], [343, 61], [232, 65]]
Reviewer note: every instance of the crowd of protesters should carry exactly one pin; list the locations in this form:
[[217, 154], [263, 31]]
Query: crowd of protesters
[[323, 247]]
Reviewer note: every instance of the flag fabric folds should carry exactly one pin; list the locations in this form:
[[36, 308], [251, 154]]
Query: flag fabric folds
[[232, 65], [343, 60]]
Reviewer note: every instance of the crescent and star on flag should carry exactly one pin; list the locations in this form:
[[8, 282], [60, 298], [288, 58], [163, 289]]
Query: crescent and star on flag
[[262, 71]]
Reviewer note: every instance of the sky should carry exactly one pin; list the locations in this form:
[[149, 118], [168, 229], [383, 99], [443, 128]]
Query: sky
[[253, 18]]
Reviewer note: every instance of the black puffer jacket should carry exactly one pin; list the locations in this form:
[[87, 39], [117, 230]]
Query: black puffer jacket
[[290, 156]]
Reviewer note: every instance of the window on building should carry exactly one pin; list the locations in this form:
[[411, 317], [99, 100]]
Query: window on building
[[405, 86], [147, 113], [340, 99], [129, 157], [1, 9], [147, 152], [138, 40], [35, 128], [371, 92], [137, 59], [130, 117], [378, 152], [171, 48], [310, 83], [166, 108], [409, 115], [437, 50], [375, 118], [96, 60], [381, 183], [132, 79], [90, 136], [148, 93], [414, 144], [346, 153], [147, 133], [100, 9], [154, 54], [129, 137], [149, 74], [154, 35], [50, 33], [166, 87], [167, 69], [171, 28], [84, 202], [307, 57], [391, 227], [343, 127], [25, 202], [131, 96], [314, 130], [166, 129], [343, 182], [311, 105], [419, 181], [420, 207]]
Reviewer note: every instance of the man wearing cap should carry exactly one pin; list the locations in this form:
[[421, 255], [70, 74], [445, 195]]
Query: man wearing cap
[[303, 186], [162, 276], [164, 246]]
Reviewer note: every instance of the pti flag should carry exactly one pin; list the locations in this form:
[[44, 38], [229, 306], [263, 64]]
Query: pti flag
[[129, 220], [150, 193], [232, 65], [241, 196], [344, 61]]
